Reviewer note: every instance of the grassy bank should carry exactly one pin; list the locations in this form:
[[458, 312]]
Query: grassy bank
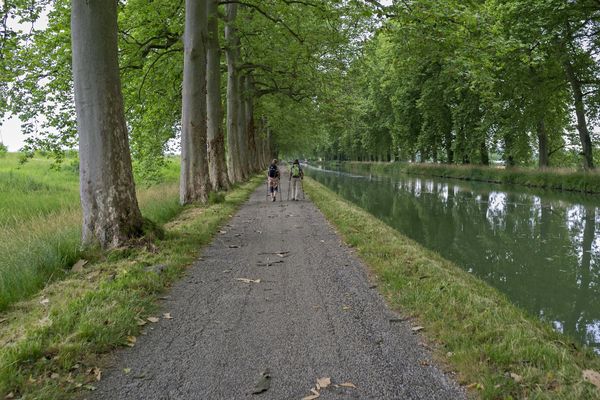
[[40, 222], [51, 346], [556, 179], [497, 350]]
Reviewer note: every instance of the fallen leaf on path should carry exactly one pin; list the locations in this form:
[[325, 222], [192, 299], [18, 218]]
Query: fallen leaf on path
[[127, 370], [78, 267], [348, 385], [131, 340], [167, 316], [346, 308], [153, 319], [315, 392], [592, 376], [246, 280], [263, 384], [45, 301], [323, 382], [516, 378], [97, 373], [222, 232], [311, 397], [417, 328], [91, 388], [140, 322], [234, 246]]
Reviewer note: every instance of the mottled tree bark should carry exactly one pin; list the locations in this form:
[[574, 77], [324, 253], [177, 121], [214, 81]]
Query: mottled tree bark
[[111, 214], [582, 128], [216, 136], [253, 161], [232, 53], [542, 134], [194, 182]]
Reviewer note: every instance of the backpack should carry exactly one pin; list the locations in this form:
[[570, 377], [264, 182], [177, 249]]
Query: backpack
[[273, 171], [295, 170]]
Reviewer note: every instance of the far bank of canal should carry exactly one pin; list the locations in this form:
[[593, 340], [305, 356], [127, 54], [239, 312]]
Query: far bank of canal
[[540, 248]]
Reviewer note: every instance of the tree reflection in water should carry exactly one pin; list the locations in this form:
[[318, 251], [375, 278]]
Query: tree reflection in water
[[541, 248]]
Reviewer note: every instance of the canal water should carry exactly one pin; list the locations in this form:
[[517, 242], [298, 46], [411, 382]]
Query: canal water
[[540, 248]]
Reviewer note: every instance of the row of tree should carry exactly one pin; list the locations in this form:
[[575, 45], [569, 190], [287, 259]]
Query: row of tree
[[457, 82], [138, 74]]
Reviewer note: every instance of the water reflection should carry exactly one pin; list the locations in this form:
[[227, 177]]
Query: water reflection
[[542, 249]]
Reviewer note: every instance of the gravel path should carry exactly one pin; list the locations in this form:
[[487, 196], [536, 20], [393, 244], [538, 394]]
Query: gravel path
[[313, 314]]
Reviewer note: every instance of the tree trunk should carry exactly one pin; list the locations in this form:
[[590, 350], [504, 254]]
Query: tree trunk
[[254, 165], [582, 128], [111, 214], [242, 128], [216, 137], [544, 158], [483, 153], [234, 163], [194, 184]]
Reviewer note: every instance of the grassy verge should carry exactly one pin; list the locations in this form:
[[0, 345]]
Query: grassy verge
[[497, 350], [51, 346], [40, 223], [556, 179]]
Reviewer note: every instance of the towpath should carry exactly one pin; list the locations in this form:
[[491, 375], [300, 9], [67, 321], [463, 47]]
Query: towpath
[[276, 302]]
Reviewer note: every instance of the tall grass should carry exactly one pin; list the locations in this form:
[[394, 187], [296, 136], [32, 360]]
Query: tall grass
[[552, 178], [40, 222]]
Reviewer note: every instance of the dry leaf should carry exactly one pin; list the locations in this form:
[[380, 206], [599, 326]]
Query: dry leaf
[[417, 328], [246, 280], [153, 319], [97, 372], [78, 267], [592, 377], [54, 376], [131, 340], [222, 232], [167, 316], [311, 397], [263, 384], [348, 385], [140, 322], [234, 246], [345, 308], [127, 370], [45, 301], [11, 395], [517, 378], [323, 382]]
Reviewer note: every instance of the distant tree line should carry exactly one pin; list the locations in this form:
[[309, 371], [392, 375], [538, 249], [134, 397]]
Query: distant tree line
[[456, 82]]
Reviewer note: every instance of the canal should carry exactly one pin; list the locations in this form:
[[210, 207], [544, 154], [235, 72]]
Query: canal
[[540, 248]]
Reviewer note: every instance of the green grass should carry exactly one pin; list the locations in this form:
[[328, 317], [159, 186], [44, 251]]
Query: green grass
[[49, 349], [40, 222], [556, 179], [474, 329]]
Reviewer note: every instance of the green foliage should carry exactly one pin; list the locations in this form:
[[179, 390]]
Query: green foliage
[[3, 150], [452, 81]]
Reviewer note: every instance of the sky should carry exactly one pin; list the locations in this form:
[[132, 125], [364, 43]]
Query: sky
[[10, 130]]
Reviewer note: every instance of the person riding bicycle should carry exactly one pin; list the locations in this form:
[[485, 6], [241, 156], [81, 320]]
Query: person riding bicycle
[[273, 179], [296, 175]]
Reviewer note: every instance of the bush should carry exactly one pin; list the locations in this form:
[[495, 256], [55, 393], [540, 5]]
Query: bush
[[3, 150]]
